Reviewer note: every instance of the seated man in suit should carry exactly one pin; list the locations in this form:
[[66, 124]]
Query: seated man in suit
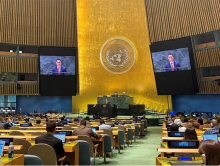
[[54, 142], [83, 130], [58, 69], [172, 65], [214, 129], [103, 125], [62, 122], [6, 123], [38, 122]]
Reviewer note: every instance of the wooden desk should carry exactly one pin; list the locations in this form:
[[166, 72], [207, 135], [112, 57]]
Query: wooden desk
[[27, 131], [16, 147], [200, 138], [71, 150], [18, 159], [199, 133], [174, 150], [101, 146], [166, 161]]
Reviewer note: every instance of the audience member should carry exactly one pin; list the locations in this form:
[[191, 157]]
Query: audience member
[[190, 134], [185, 120], [178, 122], [210, 150], [83, 130], [62, 122], [200, 121], [103, 125], [174, 127], [196, 125], [6, 123], [38, 122], [144, 117], [49, 139], [87, 119], [214, 129]]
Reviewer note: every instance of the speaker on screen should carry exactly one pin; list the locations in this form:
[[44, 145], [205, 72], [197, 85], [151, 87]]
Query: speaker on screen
[[173, 64], [58, 71]]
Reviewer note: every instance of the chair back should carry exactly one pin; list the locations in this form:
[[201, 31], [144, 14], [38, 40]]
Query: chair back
[[16, 133], [136, 130], [73, 125], [14, 128], [45, 152], [1, 127], [130, 134], [84, 152], [67, 128], [120, 127], [31, 128], [107, 143], [97, 120], [109, 132], [32, 160], [88, 139], [121, 137], [37, 133], [26, 145], [145, 123]]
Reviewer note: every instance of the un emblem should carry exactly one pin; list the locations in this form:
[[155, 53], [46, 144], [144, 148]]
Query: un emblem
[[117, 55]]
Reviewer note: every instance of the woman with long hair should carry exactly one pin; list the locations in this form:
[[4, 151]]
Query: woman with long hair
[[190, 134], [210, 150]]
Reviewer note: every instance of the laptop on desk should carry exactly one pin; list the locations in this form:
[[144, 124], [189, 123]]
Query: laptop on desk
[[62, 137], [210, 137], [2, 144], [94, 129], [67, 133]]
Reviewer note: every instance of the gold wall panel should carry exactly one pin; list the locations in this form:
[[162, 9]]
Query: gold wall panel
[[98, 21], [38, 22], [171, 19]]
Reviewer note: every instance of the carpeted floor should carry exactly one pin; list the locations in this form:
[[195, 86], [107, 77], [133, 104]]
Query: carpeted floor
[[142, 152]]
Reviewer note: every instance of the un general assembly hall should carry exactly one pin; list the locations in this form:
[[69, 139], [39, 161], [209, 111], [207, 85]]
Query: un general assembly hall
[[110, 82]]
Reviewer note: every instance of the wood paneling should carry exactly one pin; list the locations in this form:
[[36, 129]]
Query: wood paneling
[[38, 22], [26, 89], [170, 19], [207, 58], [18, 64]]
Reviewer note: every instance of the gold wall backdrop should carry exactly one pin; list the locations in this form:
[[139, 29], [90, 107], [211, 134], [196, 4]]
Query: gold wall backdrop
[[98, 21]]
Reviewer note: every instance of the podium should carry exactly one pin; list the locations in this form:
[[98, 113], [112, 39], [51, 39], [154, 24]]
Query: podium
[[122, 102], [103, 110]]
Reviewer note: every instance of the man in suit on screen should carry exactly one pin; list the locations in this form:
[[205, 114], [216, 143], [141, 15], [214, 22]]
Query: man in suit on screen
[[172, 65], [59, 69]]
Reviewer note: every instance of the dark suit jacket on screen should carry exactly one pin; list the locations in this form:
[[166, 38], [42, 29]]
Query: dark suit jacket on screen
[[168, 67], [55, 71], [83, 130], [54, 142]]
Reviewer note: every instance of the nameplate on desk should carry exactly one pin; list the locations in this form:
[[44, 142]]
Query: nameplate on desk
[[183, 144], [176, 134]]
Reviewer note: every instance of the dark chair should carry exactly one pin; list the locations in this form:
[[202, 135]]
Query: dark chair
[[32, 160]]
